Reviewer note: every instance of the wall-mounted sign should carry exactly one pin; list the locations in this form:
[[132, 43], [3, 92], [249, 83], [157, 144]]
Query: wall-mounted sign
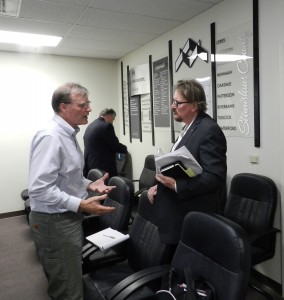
[[139, 80], [161, 93], [146, 113], [189, 53], [135, 117], [206, 84], [234, 81]]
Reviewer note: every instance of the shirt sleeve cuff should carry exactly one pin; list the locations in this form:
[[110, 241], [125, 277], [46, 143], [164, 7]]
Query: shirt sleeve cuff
[[73, 204]]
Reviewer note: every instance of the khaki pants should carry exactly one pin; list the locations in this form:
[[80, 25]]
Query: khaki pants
[[58, 239]]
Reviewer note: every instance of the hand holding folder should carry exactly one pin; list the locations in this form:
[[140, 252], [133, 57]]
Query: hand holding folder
[[175, 170], [178, 164]]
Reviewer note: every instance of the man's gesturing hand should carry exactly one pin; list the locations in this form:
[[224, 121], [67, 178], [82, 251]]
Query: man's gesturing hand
[[92, 205]]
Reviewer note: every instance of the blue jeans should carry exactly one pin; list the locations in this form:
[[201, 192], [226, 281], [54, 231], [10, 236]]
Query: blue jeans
[[58, 239]]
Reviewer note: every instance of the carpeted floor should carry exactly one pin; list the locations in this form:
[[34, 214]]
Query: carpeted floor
[[21, 274]]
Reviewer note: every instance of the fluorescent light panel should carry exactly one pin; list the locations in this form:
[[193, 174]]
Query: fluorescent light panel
[[29, 39]]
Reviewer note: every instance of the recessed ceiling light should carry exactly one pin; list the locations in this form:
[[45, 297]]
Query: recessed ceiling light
[[29, 39]]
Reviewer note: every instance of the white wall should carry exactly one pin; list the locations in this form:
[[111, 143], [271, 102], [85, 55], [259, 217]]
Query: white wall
[[226, 15], [27, 83]]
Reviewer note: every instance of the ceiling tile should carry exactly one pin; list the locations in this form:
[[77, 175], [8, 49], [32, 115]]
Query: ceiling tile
[[122, 21], [100, 28], [110, 34], [50, 11]]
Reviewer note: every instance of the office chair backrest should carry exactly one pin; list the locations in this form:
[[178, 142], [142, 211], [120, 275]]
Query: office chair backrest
[[252, 203], [95, 174], [217, 250], [122, 199], [148, 174], [145, 248]]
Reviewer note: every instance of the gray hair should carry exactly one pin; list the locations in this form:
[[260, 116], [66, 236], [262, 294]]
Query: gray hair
[[107, 111], [63, 94]]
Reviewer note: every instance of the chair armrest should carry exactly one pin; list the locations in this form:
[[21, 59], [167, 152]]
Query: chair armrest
[[88, 250], [139, 192], [253, 238], [135, 281]]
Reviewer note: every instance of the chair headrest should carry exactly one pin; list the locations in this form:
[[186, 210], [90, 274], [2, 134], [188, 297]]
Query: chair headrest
[[95, 174], [124, 191], [217, 238], [150, 162], [254, 186]]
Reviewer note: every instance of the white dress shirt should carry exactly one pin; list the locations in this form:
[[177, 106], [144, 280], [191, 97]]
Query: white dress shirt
[[181, 135], [56, 182]]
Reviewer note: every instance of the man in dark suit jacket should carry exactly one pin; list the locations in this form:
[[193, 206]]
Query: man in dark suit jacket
[[101, 144], [174, 198]]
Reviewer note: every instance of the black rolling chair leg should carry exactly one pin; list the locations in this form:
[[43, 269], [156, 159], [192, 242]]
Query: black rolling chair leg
[[261, 291]]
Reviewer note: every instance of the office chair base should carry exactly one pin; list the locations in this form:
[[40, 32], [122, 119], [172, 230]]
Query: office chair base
[[261, 291]]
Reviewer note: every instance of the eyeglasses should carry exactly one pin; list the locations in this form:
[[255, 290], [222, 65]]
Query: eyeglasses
[[86, 104], [177, 103]]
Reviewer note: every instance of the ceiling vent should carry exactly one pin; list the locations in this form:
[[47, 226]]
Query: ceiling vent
[[10, 7]]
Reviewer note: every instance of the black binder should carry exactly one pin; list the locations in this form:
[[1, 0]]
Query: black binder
[[175, 170]]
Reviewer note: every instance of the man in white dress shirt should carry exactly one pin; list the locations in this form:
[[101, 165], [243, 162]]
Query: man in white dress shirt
[[58, 192]]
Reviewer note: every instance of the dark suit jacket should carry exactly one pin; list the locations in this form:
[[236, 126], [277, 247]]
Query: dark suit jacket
[[101, 146], [207, 143]]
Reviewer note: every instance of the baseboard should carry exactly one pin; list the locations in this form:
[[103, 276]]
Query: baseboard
[[12, 214], [264, 280]]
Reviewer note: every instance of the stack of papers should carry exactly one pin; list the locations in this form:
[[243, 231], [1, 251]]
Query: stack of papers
[[178, 164], [107, 238]]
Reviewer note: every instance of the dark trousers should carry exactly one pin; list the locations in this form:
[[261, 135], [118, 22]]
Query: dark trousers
[[58, 239]]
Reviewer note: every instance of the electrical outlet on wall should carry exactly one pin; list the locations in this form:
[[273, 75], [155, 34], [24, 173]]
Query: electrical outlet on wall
[[254, 158]]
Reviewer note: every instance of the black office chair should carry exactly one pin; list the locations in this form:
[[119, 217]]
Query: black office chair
[[95, 174], [217, 250], [147, 176], [122, 199], [252, 203], [25, 197], [25, 194], [146, 180], [211, 248], [143, 249]]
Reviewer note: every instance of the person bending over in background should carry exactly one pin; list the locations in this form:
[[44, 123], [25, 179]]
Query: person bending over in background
[[57, 192], [202, 136], [101, 144]]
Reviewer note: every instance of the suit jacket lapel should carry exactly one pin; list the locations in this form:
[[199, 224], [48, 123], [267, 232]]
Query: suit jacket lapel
[[190, 131]]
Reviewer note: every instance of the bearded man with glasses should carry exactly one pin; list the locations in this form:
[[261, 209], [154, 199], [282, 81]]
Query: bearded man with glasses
[[175, 197]]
